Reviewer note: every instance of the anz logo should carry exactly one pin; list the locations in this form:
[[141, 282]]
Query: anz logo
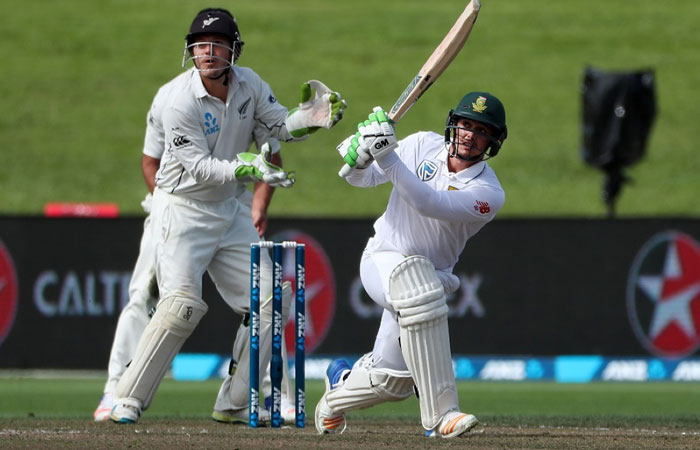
[[210, 124], [426, 170]]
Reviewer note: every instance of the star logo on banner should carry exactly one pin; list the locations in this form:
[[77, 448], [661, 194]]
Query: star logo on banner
[[319, 290], [667, 309]]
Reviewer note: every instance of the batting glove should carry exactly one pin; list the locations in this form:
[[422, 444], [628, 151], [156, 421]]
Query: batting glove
[[252, 167], [377, 134], [354, 154], [323, 111]]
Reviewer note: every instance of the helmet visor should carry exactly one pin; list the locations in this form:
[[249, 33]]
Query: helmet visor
[[207, 56], [477, 144]]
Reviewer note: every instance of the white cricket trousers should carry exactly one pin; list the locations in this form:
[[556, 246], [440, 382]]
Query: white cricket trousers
[[193, 236], [379, 259]]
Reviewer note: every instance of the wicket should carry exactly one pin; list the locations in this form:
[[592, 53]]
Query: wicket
[[277, 327]]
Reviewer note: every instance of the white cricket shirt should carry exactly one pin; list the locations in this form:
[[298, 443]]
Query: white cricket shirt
[[431, 211], [201, 135]]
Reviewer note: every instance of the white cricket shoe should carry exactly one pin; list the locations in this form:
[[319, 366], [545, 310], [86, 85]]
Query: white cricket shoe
[[126, 410], [240, 416], [104, 408], [326, 421], [453, 424]]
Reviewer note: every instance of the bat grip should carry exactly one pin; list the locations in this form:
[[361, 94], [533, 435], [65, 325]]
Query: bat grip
[[345, 171]]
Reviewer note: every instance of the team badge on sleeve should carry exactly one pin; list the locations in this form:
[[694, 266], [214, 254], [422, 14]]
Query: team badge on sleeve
[[482, 207], [426, 170]]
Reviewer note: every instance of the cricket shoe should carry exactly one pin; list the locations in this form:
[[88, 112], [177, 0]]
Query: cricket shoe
[[104, 409], [126, 410], [453, 424], [326, 421], [239, 416]]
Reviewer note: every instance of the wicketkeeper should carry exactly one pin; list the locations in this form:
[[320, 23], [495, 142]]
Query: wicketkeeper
[[198, 222]]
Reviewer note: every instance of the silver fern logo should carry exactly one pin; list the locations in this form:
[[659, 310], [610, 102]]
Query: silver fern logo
[[209, 21]]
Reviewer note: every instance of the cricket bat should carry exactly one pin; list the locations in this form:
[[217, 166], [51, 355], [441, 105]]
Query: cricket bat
[[436, 64]]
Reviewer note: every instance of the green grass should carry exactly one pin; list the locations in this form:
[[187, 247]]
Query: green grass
[[78, 82], [57, 413], [532, 404]]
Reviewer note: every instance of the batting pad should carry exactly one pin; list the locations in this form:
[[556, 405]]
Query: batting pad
[[416, 292], [171, 325], [367, 386], [418, 297], [233, 394]]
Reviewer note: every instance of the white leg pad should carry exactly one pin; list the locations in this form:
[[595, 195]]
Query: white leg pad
[[171, 325], [233, 394], [367, 386], [417, 295]]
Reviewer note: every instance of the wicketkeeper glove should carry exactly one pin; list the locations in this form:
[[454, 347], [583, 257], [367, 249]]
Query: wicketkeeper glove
[[323, 111], [256, 167]]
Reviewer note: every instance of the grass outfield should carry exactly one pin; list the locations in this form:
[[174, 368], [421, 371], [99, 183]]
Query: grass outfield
[[80, 79], [57, 413]]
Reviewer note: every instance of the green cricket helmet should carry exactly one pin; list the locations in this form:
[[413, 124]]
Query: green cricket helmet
[[481, 107]]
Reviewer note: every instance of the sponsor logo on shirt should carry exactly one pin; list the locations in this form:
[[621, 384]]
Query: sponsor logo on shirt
[[180, 141], [426, 170], [482, 207], [211, 126]]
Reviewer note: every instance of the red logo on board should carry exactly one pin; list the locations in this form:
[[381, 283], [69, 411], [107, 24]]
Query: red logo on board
[[663, 295], [8, 293], [320, 290]]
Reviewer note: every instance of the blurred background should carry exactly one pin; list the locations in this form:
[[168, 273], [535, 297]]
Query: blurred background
[[80, 77], [557, 273]]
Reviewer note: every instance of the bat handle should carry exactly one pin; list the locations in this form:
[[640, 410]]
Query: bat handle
[[345, 171]]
